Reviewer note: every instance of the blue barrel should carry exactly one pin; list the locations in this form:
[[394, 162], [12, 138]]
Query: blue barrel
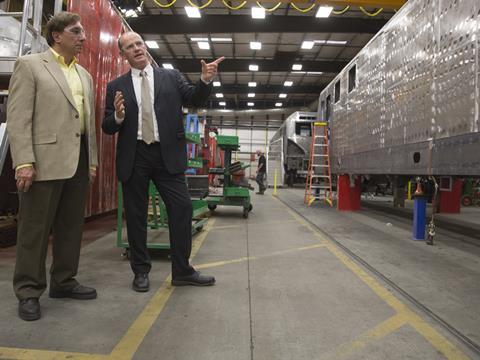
[[419, 217]]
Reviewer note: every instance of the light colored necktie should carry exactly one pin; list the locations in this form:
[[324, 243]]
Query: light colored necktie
[[148, 135]]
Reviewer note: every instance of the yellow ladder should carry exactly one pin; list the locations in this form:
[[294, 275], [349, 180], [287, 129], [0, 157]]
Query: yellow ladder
[[318, 185]]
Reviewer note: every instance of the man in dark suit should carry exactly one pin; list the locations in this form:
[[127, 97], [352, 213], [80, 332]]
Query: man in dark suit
[[145, 107]]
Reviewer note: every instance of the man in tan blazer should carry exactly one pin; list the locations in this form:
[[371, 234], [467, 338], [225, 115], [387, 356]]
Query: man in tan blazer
[[51, 128]]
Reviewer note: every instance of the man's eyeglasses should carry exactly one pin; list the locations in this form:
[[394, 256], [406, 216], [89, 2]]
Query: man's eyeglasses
[[77, 31]]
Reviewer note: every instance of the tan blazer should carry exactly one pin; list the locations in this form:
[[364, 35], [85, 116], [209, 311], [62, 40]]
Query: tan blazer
[[42, 121]]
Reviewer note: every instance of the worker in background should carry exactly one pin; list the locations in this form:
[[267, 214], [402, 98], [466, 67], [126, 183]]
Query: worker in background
[[144, 106], [261, 172], [51, 128]]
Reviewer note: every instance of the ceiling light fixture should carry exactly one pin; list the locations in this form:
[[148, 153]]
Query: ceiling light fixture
[[222, 103], [324, 11], [258, 13], [192, 12], [217, 83], [167, 66], [255, 45], [297, 67], [282, 96], [152, 44], [278, 104], [250, 103], [308, 44], [204, 45], [198, 39], [219, 95], [253, 67], [252, 84], [251, 95], [221, 39], [288, 83], [331, 42]]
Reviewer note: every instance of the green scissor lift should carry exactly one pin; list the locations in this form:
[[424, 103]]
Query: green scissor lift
[[157, 212], [232, 195]]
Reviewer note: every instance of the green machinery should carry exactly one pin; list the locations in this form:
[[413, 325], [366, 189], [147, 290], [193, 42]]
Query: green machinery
[[233, 195], [157, 213]]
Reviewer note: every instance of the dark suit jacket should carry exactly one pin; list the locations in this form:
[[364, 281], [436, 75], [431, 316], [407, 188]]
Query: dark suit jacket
[[172, 92]]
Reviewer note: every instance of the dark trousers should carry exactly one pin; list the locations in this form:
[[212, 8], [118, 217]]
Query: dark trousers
[[260, 178], [172, 188], [57, 207]]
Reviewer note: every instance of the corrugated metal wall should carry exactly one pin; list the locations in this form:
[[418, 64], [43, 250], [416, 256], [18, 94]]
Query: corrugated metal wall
[[102, 59]]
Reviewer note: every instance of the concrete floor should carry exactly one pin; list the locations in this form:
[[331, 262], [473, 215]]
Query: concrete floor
[[284, 291]]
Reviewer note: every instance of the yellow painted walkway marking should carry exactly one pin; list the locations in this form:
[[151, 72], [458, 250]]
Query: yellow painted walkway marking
[[245, 258], [134, 336], [250, 224], [383, 329], [438, 341]]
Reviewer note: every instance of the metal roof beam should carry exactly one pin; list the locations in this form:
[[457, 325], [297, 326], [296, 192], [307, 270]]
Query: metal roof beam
[[180, 24], [241, 65]]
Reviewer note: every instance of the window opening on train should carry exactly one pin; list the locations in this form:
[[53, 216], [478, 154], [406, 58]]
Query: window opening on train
[[323, 113], [352, 78], [337, 91], [303, 129]]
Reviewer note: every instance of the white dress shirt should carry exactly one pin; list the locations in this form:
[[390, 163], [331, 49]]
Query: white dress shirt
[[137, 87]]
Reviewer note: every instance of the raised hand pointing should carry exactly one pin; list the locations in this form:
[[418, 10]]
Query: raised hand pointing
[[210, 70]]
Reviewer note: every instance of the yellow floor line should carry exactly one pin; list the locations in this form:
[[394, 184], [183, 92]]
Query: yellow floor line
[[442, 344], [381, 330], [263, 224], [242, 259], [26, 354], [135, 335]]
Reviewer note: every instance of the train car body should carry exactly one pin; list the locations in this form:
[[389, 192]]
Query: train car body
[[408, 103], [289, 147]]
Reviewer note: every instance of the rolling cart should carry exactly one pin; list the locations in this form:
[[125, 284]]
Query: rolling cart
[[232, 195]]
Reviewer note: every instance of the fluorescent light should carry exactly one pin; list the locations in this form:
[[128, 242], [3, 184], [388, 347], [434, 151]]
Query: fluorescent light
[[331, 42], [192, 12], [314, 72], [308, 44], [324, 11], [203, 45], [217, 83], [278, 104], [258, 13], [222, 103], [250, 103], [288, 83], [255, 45], [131, 13], [297, 67], [198, 39], [167, 66], [251, 94], [252, 84], [221, 39], [253, 67], [219, 95], [282, 96], [152, 44]]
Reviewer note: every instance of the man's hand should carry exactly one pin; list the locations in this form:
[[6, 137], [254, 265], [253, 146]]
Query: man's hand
[[93, 175], [210, 70], [118, 102], [25, 176]]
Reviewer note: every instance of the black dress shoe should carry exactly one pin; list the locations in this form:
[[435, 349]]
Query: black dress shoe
[[79, 292], [141, 283], [195, 279], [29, 309]]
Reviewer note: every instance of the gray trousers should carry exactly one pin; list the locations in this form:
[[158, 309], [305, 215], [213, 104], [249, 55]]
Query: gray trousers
[[56, 207]]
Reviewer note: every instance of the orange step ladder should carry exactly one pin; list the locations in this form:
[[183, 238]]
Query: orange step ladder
[[318, 185]]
